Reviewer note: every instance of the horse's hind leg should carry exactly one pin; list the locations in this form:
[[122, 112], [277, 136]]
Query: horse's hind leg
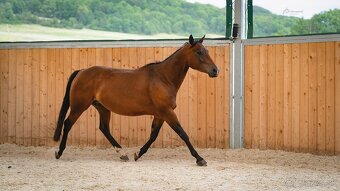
[[104, 126], [71, 119]]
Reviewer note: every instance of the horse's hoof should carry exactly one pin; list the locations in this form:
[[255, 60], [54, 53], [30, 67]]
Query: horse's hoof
[[201, 163], [136, 156], [57, 155], [124, 158]]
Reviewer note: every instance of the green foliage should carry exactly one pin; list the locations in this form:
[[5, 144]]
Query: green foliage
[[154, 16], [129, 16], [326, 22], [268, 24]]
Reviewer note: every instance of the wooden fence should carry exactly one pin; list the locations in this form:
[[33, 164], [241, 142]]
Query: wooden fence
[[33, 82], [292, 97]]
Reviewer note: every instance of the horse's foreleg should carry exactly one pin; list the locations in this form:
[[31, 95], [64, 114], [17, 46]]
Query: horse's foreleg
[[71, 119], [172, 120], [104, 127], [156, 126]]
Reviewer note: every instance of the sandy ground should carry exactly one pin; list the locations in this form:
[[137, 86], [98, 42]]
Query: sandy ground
[[35, 168]]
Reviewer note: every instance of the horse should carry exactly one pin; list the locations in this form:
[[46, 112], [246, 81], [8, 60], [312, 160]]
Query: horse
[[148, 90]]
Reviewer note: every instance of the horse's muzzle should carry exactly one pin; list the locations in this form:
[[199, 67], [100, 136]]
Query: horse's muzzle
[[213, 73]]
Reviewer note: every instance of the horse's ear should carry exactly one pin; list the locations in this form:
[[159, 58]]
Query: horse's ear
[[191, 40], [201, 40]]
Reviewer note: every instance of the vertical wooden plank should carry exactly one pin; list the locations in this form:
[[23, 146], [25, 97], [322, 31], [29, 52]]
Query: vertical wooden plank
[[330, 97], [271, 129], [321, 97], [92, 112], [149, 58], [263, 96], [133, 125], [211, 113], [201, 110], [312, 105], [248, 95], [27, 96], [295, 97], [304, 98], [256, 98], [83, 119], [11, 95], [19, 98], [35, 96], [287, 97], [4, 68], [125, 58], [337, 101], [67, 73], [43, 98], [227, 96], [220, 98], [76, 127], [279, 96], [52, 56]]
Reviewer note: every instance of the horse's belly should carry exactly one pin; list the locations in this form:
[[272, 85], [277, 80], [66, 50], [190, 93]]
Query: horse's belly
[[128, 105], [129, 110]]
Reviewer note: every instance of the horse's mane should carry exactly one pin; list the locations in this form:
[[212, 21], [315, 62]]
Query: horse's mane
[[158, 62]]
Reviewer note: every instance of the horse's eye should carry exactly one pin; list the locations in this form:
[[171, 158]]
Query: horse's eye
[[199, 53]]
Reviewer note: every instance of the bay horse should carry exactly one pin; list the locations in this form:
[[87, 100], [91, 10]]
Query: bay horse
[[149, 90]]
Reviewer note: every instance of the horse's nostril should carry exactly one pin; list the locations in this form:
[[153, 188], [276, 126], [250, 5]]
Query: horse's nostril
[[215, 71]]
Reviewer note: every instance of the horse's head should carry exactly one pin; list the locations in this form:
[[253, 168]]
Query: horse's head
[[199, 59]]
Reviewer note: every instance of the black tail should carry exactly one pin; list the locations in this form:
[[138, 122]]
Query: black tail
[[64, 107]]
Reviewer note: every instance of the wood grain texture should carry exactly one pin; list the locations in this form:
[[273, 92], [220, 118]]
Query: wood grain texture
[[4, 83], [248, 91], [302, 87], [337, 101], [33, 83]]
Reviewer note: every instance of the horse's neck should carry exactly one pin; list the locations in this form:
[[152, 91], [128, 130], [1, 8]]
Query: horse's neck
[[174, 69]]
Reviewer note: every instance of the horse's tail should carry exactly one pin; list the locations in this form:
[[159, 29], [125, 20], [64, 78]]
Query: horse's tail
[[64, 107]]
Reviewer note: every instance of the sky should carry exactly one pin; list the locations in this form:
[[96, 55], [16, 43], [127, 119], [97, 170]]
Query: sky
[[299, 8]]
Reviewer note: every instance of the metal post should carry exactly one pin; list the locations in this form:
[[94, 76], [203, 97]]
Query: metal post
[[250, 19], [236, 109], [229, 18]]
